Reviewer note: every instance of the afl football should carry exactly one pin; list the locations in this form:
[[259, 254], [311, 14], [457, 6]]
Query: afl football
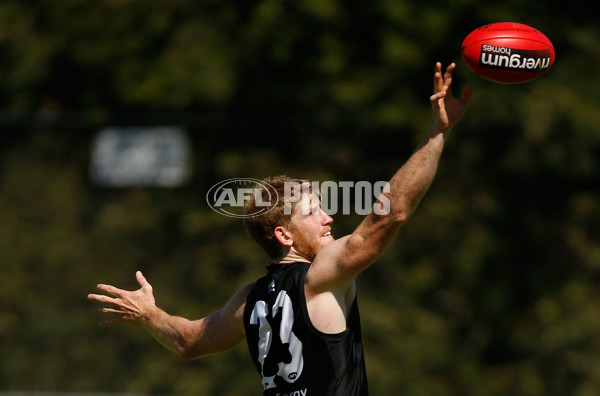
[[508, 52]]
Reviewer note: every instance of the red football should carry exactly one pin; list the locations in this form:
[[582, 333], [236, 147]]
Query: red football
[[508, 52]]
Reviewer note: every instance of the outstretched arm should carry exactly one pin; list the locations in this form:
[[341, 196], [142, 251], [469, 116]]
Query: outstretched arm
[[407, 187], [218, 332], [412, 180]]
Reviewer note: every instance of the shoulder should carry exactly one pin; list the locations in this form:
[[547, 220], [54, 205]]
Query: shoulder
[[338, 262], [242, 294], [326, 270], [326, 273], [234, 309]]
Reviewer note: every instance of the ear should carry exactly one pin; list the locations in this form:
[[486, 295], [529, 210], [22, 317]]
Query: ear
[[284, 236]]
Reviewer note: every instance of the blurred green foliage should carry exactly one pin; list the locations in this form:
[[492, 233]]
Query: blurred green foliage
[[490, 289]]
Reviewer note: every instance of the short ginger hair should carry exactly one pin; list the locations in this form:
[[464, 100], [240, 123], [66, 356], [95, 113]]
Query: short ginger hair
[[261, 226]]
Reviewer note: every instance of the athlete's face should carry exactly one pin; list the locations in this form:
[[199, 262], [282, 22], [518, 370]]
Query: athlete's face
[[310, 227]]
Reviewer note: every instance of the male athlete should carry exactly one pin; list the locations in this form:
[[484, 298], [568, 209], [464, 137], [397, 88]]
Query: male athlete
[[301, 320]]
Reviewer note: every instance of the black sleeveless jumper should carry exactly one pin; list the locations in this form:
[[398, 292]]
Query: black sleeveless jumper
[[292, 356]]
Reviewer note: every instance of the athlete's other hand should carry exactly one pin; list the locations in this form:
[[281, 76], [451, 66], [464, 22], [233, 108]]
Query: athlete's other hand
[[126, 306]]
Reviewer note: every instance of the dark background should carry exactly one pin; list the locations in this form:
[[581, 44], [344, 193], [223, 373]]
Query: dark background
[[490, 289]]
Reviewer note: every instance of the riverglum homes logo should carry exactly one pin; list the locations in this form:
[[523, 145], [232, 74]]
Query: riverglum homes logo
[[229, 197]]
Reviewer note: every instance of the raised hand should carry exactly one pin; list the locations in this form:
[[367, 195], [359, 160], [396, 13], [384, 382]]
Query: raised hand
[[447, 110]]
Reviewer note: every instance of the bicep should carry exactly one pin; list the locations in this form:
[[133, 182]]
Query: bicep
[[341, 261]]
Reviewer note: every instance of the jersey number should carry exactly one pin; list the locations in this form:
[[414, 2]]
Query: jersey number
[[279, 350]]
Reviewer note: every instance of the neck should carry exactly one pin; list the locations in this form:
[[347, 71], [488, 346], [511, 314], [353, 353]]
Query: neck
[[293, 256]]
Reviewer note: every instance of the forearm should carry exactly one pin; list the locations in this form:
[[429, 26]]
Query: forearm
[[404, 191], [173, 332], [399, 200], [412, 180], [218, 332]]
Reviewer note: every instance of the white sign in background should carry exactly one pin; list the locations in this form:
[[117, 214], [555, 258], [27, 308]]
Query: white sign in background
[[141, 156]]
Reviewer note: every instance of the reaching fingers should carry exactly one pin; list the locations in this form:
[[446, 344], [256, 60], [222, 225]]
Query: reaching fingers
[[437, 96], [442, 82], [101, 298], [108, 311], [104, 299], [447, 109], [113, 291], [118, 314], [118, 310], [448, 78], [438, 81], [448, 73]]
